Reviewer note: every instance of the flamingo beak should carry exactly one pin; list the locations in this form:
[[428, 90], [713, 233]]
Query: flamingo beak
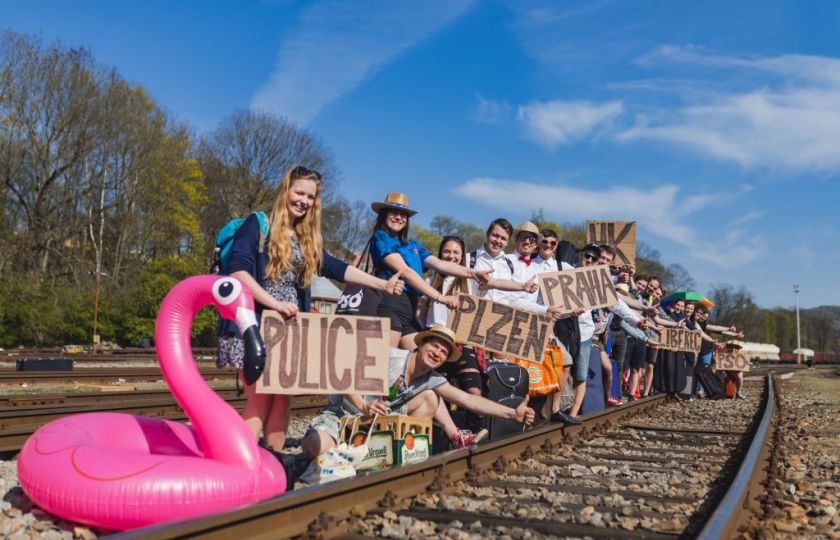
[[254, 362]]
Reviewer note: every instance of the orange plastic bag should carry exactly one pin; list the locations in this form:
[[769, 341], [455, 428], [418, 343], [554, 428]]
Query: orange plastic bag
[[543, 379]]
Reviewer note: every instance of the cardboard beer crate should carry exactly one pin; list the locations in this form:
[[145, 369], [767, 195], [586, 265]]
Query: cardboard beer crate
[[395, 438]]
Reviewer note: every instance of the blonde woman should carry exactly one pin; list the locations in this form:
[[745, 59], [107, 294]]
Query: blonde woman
[[279, 275]]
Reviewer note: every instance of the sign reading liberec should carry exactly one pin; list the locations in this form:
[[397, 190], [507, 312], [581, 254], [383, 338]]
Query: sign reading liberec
[[324, 354], [499, 328], [680, 339]]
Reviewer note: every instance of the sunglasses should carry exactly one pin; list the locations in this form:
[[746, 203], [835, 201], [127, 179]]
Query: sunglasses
[[301, 171], [527, 238], [589, 257], [549, 243]]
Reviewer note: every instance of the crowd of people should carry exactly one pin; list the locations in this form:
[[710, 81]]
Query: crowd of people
[[429, 373]]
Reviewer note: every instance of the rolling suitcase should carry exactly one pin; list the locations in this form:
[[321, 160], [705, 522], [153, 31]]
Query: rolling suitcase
[[711, 383], [506, 384]]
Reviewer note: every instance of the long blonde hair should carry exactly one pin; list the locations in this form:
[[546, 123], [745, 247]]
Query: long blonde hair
[[307, 229]]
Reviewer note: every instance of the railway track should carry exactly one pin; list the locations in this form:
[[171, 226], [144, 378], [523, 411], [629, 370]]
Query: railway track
[[624, 473], [8, 376], [18, 422]]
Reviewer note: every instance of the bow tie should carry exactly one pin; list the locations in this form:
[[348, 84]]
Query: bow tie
[[527, 260]]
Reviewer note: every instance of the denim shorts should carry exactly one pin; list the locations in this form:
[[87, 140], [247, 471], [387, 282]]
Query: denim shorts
[[580, 366], [634, 354]]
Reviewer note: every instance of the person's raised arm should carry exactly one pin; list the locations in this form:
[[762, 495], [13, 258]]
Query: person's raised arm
[[394, 285], [395, 262], [451, 269], [484, 406]]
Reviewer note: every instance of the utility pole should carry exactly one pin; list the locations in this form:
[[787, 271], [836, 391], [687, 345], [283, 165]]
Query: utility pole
[[798, 342]]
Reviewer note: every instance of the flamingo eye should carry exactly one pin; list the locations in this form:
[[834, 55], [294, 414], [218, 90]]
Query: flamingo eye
[[226, 290]]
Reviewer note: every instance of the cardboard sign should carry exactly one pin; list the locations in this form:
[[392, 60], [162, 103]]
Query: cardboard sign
[[620, 235], [499, 328], [324, 354], [582, 288], [680, 339], [732, 362]]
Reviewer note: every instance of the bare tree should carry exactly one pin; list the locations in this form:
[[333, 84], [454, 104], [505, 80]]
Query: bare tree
[[50, 110]]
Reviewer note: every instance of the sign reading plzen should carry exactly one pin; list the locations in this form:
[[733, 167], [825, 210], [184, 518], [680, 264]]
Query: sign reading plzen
[[582, 288], [324, 354], [620, 235], [732, 362], [680, 339], [499, 328]]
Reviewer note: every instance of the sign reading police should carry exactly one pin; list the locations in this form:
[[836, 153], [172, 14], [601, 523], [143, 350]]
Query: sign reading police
[[324, 354], [732, 362], [582, 288], [499, 328], [621, 235], [680, 339]]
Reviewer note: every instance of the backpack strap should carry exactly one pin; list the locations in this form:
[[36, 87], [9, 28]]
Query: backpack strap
[[510, 265]]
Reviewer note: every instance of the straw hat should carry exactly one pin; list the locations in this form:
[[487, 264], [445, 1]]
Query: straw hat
[[395, 201], [444, 333], [526, 226]]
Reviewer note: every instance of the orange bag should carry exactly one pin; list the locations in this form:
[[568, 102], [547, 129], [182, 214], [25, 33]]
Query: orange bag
[[543, 379], [729, 388]]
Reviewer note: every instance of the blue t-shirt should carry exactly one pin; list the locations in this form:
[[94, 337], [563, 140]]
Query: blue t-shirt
[[383, 244]]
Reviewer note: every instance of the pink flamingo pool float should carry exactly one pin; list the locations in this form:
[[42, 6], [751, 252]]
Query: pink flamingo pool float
[[121, 471]]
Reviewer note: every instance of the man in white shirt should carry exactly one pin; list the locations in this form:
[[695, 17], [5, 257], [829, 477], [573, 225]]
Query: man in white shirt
[[590, 255]]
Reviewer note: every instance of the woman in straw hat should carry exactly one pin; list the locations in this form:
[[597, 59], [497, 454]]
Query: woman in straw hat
[[279, 274], [392, 252]]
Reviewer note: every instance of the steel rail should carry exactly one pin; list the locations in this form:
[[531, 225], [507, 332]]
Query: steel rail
[[294, 513], [730, 510], [8, 376], [17, 426]]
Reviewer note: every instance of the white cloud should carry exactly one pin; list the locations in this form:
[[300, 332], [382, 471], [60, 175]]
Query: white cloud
[[655, 208], [661, 210], [490, 111], [334, 45], [554, 123], [790, 126], [746, 218]]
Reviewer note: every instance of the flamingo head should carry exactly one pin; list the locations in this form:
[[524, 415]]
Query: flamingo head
[[234, 301]]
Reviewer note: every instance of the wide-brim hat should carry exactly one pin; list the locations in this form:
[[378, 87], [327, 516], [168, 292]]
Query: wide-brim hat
[[394, 201], [526, 226], [444, 333]]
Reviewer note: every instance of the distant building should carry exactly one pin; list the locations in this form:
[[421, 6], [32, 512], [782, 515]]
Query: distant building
[[325, 295]]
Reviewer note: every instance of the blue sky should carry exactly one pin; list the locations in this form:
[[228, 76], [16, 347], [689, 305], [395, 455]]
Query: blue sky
[[715, 125]]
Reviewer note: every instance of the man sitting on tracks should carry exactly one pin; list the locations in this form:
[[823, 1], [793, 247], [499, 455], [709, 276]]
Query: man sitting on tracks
[[416, 389]]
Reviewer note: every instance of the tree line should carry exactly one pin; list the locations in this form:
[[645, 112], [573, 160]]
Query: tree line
[[104, 191]]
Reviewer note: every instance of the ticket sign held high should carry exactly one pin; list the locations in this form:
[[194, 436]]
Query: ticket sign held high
[[619, 234], [732, 362], [680, 339], [499, 328], [324, 354], [582, 288]]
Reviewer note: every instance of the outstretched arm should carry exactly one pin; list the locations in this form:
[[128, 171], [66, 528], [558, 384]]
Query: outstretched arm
[[396, 263], [484, 406]]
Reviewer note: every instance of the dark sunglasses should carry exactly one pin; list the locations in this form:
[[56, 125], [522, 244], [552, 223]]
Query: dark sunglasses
[[527, 238], [301, 171], [549, 243], [590, 257]]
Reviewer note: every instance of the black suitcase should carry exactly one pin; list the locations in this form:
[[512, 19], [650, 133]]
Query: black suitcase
[[710, 382], [506, 384]]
